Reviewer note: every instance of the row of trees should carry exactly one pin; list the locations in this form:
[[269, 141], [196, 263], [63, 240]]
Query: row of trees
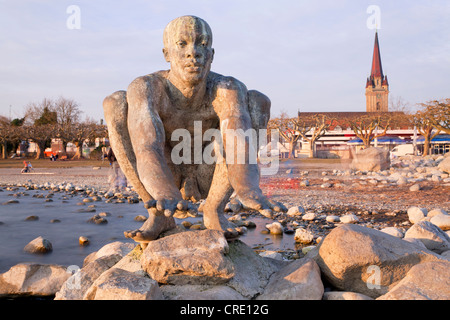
[[431, 119], [46, 120]]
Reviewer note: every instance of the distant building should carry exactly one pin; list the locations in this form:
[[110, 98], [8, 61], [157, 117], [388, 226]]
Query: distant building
[[377, 86]]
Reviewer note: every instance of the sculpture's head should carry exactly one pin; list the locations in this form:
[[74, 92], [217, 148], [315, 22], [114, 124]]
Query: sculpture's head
[[188, 48]]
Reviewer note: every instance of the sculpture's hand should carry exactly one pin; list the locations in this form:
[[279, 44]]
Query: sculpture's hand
[[169, 207]]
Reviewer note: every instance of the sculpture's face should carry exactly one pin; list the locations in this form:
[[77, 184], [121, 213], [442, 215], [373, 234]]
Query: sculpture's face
[[187, 42]]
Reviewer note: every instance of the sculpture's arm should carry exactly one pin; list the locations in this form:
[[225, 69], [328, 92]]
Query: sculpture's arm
[[148, 137], [231, 105]]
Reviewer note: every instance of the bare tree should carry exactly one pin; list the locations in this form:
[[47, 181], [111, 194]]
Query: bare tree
[[85, 132], [424, 122], [369, 127], [438, 112], [68, 115], [41, 135], [287, 128], [312, 127]]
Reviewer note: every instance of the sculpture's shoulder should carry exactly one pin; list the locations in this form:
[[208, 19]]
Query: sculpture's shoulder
[[149, 81], [219, 81]]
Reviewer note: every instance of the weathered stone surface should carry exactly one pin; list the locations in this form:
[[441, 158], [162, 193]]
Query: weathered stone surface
[[299, 280], [424, 281], [251, 271], [442, 221], [431, 236], [303, 236], [415, 214], [117, 247], [295, 211], [344, 295], [191, 257], [393, 231], [275, 228], [39, 245], [33, 279], [371, 159], [200, 292], [444, 165], [119, 284], [349, 218], [348, 254], [76, 285]]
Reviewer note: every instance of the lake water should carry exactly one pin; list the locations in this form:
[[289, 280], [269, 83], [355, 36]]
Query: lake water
[[16, 232]]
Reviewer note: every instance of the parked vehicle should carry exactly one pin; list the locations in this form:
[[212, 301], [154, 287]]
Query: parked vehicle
[[403, 150]]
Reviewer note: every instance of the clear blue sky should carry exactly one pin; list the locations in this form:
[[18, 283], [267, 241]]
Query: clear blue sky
[[307, 55]]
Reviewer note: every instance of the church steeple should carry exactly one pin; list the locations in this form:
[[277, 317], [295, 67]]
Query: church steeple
[[377, 86], [377, 69]]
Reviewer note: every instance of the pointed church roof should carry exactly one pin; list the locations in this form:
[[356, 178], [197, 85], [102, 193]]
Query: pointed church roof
[[377, 69]]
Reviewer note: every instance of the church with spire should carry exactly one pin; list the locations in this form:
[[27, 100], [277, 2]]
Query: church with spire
[[377, 86]]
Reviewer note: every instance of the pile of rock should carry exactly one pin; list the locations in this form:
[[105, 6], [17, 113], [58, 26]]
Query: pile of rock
[[356, 262]]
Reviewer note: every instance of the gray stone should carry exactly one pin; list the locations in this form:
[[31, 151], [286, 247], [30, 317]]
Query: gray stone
[[431, 236], [371, 159], [299, 280], [275, 228], [424, 281], [415, 214], [191, 257], [39, 245], [303, 236], [119, 284], [295, 211], [393, 231], [349, 218], [442, 221], [350, 253], [33, 279], [76, 285], [251, 271]]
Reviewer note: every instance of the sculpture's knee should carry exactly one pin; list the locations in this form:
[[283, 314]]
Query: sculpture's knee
[[259, 108], [116, 102]]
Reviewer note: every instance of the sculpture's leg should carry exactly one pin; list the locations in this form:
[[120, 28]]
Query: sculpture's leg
[[115, 108], [214, 206], [221, 189]]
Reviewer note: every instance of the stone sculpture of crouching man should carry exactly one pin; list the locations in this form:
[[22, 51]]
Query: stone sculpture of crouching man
[[142, 119]]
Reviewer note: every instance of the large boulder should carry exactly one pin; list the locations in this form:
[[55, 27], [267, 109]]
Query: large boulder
[[192, 257], [39, 245], [76, 286], [299, 280], [363, 260], [251, 271], [444, 165], [425, 281], [431, 236], [33, 279], [93, 266], [371, 159], [119, 284]]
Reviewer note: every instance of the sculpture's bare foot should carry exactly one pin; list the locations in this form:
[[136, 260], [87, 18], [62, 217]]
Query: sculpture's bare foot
[[152, 228], [212, 219], [257, 201]]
